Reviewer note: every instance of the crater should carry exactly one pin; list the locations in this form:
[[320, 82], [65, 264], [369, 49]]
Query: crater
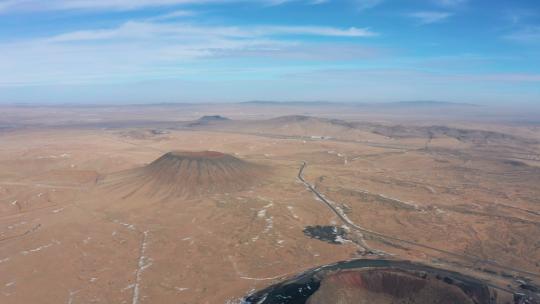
[[382, 282]]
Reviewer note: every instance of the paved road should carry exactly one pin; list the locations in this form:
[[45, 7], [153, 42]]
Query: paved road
[[332, 206]]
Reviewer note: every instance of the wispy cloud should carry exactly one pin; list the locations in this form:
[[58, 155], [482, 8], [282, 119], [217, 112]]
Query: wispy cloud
[[517, 16], [153, 50], [280, 2], [52, 5], [428, 17], [416, 84], [138, 30], [414, 75], [173, 15], [37, 5], [312, 30], [366, 4], [319, 1], [450, 3], [528, 34]]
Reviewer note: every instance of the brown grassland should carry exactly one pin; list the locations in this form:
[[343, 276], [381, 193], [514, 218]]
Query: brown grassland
[[94, 208]]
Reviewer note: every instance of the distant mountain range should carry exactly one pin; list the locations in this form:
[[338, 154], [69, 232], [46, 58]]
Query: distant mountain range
[[413, 103]]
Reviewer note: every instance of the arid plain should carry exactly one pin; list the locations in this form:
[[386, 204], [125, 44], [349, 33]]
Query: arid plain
[[93, 209]]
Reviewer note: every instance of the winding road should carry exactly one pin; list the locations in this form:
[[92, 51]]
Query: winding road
[[339, 213]]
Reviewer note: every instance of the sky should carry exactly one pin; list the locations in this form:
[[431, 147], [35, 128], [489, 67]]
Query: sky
[[155, 51]]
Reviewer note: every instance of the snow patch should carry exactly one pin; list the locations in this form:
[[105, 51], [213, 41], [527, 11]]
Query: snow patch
[[26, 252], [130, 286], [58, 210], [294, 215]]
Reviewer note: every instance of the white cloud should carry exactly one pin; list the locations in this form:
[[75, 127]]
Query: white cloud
[[312, 30], [529, 34], [415, 75], [427, 17], [138, 30], [154, 50], [279, 2], [173, 15], [366, 4], [319, 1], [450, 2], [42, 5], [37, 5]]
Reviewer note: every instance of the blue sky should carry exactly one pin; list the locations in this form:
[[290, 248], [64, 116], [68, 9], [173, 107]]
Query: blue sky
[[146, 51]]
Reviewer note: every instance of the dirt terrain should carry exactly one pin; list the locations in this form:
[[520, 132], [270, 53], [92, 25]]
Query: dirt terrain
[[200, 204]]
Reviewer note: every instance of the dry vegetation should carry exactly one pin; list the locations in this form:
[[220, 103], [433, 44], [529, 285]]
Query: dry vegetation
[[99, 211]]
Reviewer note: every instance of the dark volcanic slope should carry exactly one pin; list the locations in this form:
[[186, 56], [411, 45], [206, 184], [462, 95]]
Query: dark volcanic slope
[[181, 174], [384, 282], [208, 120]]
